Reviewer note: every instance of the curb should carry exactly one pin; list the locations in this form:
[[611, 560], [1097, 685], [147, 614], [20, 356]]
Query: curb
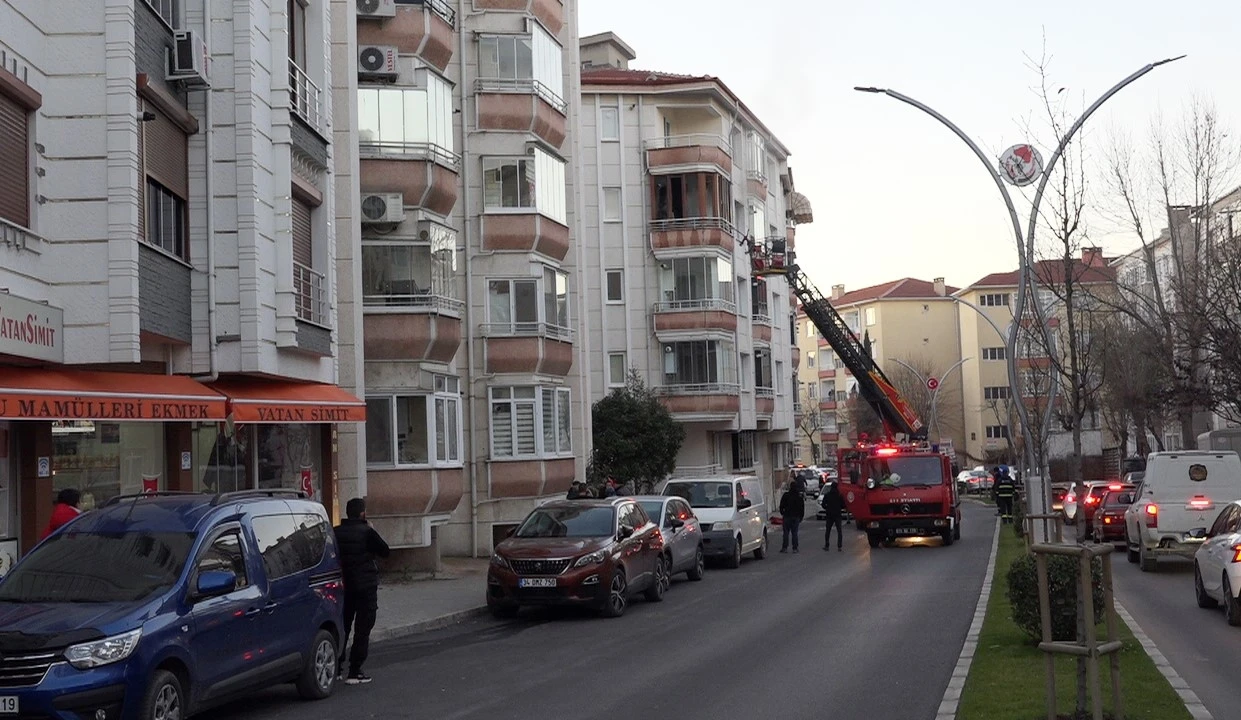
[[952, 695], [401, 631], [1194, 705]]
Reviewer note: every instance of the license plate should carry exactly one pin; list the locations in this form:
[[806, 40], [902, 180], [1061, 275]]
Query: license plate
[[8, 705], [536, 582], [908, 531]]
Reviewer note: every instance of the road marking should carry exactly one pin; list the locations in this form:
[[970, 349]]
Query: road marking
[[1195, 707], [952, 695]]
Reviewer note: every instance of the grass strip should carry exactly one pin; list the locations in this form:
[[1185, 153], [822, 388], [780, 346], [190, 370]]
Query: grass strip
[[1007, 679]]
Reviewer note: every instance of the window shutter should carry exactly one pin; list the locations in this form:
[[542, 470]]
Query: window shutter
[[549, 420], [302, 244], [143, 210], [525, 429], [14, 162], [501, 429], [166, 152]]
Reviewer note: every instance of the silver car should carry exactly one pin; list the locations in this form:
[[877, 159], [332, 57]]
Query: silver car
[[682, 533]]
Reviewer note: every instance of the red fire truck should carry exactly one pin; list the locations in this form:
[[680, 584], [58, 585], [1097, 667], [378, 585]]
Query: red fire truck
[[899, 490]]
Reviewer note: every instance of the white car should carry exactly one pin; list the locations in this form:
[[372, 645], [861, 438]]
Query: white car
[[1217, 564], [1176, 503]]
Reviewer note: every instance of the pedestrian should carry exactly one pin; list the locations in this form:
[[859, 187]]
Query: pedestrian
[[1005, 493], [792, 510], [360, 548], [65, 509], [833, 504], [609, 488], [575, 491], [625, 489]]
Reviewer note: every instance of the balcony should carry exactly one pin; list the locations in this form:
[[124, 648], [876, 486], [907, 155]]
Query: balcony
[[306, 99], [681, 316], [397, 334], [688, 153], [701, 402], [696, 232], [764, 401], [528, 347], [798, 409], [310, 295], [521, 106], [524, 230], [424, 28], [828, 405], [756, 184], [549, 12], [826, 373], [425, 174]]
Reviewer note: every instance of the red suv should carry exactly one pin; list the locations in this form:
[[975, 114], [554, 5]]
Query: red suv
[[597, 553], [1109, 518]]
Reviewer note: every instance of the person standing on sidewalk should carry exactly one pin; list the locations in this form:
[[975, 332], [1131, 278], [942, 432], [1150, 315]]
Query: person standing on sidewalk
[[792, 510], [833, 505], [360, 548], [1005, 492]]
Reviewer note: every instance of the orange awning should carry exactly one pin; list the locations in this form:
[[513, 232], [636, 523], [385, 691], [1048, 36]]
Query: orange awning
[[252, 400], [65, 394]]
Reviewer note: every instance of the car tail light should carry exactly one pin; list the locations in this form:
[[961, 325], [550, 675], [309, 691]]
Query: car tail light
[[1236, 553], [1070, 498], [1152, 515], [1107, 519], [1114, 486], [1200, 503], [1091, 500]]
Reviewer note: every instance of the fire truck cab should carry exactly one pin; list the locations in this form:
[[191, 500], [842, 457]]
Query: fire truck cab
[[899, 490]]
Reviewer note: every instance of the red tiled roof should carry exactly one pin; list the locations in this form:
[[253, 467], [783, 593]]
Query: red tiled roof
[[1051, 272], [905, 288]]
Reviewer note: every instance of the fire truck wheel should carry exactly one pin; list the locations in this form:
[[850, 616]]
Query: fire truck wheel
[[874, 539], [956, 531], [948, 537]]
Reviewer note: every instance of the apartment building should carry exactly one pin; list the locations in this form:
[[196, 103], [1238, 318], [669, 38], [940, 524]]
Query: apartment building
[[167, 305], [814, 416], [460, 286], [911, 327], [677, 168]]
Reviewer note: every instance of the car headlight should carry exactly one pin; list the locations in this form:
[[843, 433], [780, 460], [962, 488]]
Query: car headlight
[[594, 558], [103, 652], [722, 525], [499, 561]]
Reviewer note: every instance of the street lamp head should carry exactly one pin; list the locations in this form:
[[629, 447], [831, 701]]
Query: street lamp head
[[1168, 60], [869, 89]]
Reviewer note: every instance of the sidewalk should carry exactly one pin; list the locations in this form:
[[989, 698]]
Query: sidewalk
[[427, 601]]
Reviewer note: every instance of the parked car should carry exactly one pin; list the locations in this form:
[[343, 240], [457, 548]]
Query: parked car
[[1177, 502], [1217, 564], [811, 477], [974, 482], [733, 512], [162, 605], [592, 552], [682, 533], [1109, 518]]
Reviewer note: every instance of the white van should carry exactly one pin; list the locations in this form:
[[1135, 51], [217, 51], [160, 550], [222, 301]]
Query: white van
[[1177, 501], [732, 511]]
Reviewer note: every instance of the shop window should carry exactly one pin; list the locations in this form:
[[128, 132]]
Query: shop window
[[222, 461], [290, 457], [102, 460]]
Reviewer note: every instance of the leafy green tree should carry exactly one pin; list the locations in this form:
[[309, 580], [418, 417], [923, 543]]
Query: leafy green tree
[[635, 437]]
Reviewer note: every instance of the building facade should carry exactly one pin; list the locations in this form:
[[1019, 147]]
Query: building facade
[[460, 297], [168, 315], [814, 414], [677, 171]]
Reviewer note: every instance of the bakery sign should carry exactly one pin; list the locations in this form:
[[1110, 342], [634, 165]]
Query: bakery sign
[[32, 330]]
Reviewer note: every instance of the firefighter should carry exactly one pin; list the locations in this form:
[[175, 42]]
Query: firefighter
[[1005, 494]]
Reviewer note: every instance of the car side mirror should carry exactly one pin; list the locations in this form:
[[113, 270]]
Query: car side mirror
[[625, 532], [744, 503], [215, 583]]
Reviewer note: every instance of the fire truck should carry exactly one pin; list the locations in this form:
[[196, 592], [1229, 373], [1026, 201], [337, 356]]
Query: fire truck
[[900, 486]]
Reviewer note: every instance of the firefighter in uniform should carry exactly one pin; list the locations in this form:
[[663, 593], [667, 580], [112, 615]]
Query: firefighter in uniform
[[1005, 494]]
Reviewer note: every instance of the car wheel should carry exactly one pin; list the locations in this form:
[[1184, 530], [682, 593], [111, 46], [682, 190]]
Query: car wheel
[[1232, 608], [761, 551], [618, 595], [874, 539], [318, 678], [735, 560], [700, 565], [1133, 554], [164, 699], [503, 611], [663, 579], [1145, 561], [1200, 593]]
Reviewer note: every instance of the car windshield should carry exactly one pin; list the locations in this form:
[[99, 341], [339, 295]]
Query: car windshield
[[568, 522], [1119, 498], [906, 471], [99, 567], [654, 509], [703, 494]]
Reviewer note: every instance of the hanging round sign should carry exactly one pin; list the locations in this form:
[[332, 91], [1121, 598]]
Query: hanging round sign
[[1021, 165]]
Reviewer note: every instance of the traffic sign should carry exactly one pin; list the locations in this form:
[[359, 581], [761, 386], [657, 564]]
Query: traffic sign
[[932, 383], [1021, 165]]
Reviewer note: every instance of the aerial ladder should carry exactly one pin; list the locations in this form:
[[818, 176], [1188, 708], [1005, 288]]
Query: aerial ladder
[[899, 419]]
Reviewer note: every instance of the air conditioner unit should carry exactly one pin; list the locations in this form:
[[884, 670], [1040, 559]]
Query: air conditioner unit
[[190, 62], [377, 61], [383, 208], [376, 8]]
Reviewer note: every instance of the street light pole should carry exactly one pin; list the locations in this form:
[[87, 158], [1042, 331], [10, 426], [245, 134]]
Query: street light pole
[[935, 393]]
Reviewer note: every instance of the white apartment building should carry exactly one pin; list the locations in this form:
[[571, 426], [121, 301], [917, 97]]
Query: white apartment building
[[167, 301], [677, 168]]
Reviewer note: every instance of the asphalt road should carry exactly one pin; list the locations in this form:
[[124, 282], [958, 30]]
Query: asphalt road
[[1199, 643], [790, 637]]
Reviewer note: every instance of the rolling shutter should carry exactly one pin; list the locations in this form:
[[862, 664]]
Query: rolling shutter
[[302, 237], [14, 162], [166, 153]]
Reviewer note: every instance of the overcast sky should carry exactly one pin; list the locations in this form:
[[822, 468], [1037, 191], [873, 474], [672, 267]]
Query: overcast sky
[[894, 193]]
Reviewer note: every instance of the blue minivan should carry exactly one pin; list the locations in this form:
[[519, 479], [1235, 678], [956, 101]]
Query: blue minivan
[[157, 606]]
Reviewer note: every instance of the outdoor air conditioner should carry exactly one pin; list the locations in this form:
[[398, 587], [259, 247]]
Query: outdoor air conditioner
[[383, 208], [376, 8], [190, 62], [377, 61]]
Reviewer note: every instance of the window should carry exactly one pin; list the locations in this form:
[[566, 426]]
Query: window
[[611, 204], [535, 58], [168, 10], [15, 162], [556, 298], [536, 183], [688, 282], [165, 221], [700, 362], [870, 317], [827, 390], [756, 156], [690, 195], [164, 147], [617, 369], [743, 450], [290, 543], [810, 358], [1034, 383], [758, 298], [812, 391], [408, 121], [615, 286], [779, 372], [995, 353], [530, 422], [994, 300], [995, 392], [997, 432], [609, 124], [514, 303], [762, 368], [297, 32], [412, 430], [851, 319], [842, 396], [757, 221], [225, 555], [410, 273]]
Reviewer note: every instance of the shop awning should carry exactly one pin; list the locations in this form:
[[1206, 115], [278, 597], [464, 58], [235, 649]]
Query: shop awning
[[66, 394], [252, 400]]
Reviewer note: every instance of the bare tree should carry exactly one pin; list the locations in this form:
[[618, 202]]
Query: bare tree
[[811, 424], [940, 411], [1221, 317], [862, 418], [1135, 382]]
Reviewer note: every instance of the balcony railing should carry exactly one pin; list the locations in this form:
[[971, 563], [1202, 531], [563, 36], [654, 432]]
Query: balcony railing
[[760, 316], [693, 223], [409, 151], [690, 140], [307, 98], [701, 304], [310, 287], [764, 392], [527, 329], [439, 7], [759, 175], [418, 301], [698, 389], [521, 85]]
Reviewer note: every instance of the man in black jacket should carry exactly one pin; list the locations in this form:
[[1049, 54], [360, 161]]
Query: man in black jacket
[[792, 510], [360, 547], [833, 504]]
